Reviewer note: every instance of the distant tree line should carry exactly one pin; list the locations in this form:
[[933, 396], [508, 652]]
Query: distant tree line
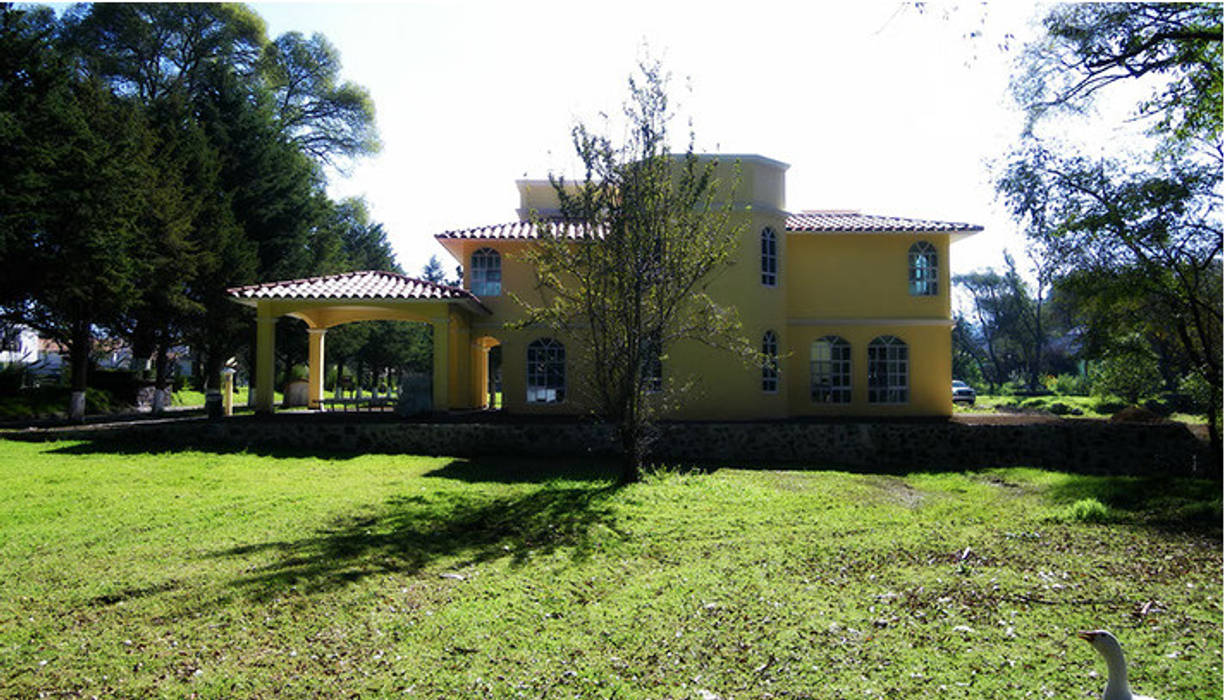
[[1128, 248], [153, 155]]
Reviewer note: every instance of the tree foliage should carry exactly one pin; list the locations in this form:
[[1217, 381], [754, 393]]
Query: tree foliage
[[151, 156], [626, 269], [1089, 47], [329, 120], [1138, 241]]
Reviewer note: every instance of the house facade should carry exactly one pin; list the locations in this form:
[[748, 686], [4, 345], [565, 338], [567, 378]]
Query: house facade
[[854, 307]]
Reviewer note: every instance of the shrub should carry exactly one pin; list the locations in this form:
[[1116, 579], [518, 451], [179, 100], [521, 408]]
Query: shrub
[[1087, 510], [1062, 409], [1109, 405], [1131, 373], [1070, 385], [12, 377]]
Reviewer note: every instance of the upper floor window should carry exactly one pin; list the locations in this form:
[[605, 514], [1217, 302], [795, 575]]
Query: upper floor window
[[546, 371], [770, 257], [922, 269], [770, 362], [487, 273], [830, 370], [887, 370]]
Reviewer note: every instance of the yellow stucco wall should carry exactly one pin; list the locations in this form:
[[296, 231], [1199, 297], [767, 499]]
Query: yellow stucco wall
[[853, 285]]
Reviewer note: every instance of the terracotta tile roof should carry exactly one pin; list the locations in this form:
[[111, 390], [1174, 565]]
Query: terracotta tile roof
[[855, 222], [367, 284], [806, 221], [518, 230]]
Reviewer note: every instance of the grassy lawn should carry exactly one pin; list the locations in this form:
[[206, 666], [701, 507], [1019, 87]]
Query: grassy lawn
[[1088, 405], [138, 574]]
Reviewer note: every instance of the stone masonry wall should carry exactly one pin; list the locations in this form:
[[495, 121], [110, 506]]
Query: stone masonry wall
[[1091, 447]]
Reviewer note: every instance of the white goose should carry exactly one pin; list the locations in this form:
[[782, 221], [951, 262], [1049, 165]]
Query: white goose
[[1117, 670]]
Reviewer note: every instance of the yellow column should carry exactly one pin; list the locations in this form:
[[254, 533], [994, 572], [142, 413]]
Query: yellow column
[[315, 366], [442, 390], [480, 379], [227, 391], [265, 339]]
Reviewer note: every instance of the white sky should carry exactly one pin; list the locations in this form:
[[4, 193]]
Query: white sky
[[875, 108]]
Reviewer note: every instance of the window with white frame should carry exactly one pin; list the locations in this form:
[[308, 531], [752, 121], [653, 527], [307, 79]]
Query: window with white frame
[[770, 257], [887, 370], [922, 269], [653, 366], [487, 273], [830, 370], [546, 371], [770, 362]]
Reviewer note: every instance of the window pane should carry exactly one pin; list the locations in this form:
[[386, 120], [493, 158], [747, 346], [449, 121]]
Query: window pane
[[887, 370], [830, 370], [546, 371]]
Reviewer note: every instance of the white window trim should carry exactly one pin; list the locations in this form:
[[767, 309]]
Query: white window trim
[[528, 388], [850, 387], [923, 249], [768, 233], [774, 360], [906, 386], [488, 253]]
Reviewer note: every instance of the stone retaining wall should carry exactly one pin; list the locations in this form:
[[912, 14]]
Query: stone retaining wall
[[1092, 447]]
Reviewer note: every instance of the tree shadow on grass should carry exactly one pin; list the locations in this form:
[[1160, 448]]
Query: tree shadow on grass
[[410, 533], [136, 447], [1164, 503], [538, 470]]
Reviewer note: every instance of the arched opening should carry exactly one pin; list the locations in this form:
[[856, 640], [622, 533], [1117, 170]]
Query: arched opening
[[487, 373]]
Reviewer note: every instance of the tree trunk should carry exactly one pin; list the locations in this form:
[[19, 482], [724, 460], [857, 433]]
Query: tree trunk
[[82, 342], [161, 397], [632, 454]]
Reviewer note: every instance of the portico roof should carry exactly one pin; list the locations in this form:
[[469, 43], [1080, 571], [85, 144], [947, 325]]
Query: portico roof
[[365, 285]]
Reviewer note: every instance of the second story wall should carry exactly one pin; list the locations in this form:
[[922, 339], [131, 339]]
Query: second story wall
[[861, 275]]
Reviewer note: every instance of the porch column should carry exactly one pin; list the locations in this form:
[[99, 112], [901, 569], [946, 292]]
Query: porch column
[[480, 374], [315, 365], [265, 340], [442, 359]]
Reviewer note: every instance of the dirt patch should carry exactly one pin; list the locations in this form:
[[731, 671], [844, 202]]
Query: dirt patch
[[898, 491]]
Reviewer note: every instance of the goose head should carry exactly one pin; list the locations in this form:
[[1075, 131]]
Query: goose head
[[1109, 648]]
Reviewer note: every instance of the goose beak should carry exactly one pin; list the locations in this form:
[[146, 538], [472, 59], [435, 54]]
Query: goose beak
[[1088, 636]]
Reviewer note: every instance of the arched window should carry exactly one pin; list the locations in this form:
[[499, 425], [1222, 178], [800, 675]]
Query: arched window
[[770, 257], [770, 362], [922, 269], [487, 273], [546, 371], [887, 370], [653, 366], [830, 370]]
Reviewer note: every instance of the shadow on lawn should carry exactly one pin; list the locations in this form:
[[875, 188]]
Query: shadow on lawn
[[409, 533], [1171, 504], [134, 447]]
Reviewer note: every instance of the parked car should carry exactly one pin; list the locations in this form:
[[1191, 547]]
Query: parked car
[[963, 393]]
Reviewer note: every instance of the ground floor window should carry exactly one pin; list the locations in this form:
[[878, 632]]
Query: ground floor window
[[770, 362], [887, 370], [830, 370], [546, 371]]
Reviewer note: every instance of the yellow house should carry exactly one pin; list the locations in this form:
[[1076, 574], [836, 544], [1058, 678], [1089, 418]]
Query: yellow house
[[856, 308]]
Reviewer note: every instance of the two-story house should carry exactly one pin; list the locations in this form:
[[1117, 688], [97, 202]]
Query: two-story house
[[855, 307]]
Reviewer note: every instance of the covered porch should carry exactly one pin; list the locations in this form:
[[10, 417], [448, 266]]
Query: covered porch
[[332, 300]]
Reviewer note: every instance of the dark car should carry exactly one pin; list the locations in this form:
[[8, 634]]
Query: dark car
[[963, 393]]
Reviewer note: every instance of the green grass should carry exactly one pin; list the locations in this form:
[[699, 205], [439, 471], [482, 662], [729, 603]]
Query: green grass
[[133, 574], [1088, 405]]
